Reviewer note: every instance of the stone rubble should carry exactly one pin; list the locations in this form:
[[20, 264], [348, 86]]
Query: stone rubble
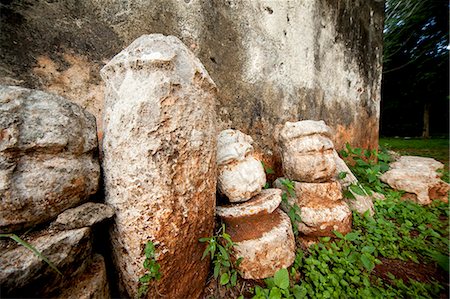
[[47, 157], [261, 231], [159, 149], [48, 166], [317, 193], [417, 176]]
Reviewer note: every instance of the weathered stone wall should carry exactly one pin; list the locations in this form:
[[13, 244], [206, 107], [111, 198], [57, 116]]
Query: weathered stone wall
[[273, 61]]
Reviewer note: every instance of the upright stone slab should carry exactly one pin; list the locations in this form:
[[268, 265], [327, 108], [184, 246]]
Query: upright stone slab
[[159, 149]]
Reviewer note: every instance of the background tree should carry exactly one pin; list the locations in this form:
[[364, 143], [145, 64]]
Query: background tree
[[415, 77]]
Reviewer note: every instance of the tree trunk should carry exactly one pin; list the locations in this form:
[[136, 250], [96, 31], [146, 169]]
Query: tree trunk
[[426, 121]]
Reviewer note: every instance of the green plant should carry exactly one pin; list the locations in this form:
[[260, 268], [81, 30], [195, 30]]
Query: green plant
[[268, 170], [32, 249], [367, 166], [219, 247], [294, 211], [343, 267], [278, 287], [152, 267]]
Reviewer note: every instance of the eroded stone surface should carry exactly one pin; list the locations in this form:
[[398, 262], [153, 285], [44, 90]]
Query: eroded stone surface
[[417, 175], [87, 214], [160, 162], [266, 243], [91, 284], [265, 202], [360, 203], [22, 273], [270, 59], [311, 192], [240, 174], [322, 218], [47, 156], [306, 151]]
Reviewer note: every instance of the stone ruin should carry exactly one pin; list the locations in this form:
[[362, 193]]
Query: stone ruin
[[48, 170], [262, 232], [163, 157], [308, 160]]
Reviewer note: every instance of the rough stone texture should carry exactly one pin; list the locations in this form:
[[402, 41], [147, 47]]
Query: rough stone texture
[[360, 203], [265, 202], [265, 242], [240, 174], [321, 218], [87, 214], [160, 162], [417, 175], [274, 61], [48, 161], [91, 284], [306, 151], [307, 192], [23, 274]]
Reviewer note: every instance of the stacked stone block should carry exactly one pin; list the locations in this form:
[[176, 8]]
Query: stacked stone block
[[261, 230], [308, 159]]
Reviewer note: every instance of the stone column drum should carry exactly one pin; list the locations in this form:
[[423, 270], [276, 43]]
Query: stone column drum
[[262, 233], [159, 149]]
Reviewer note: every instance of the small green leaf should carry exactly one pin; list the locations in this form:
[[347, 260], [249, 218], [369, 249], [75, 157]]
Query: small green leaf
[[223, 252], [233, 278], [224, 278], [367, 263], [342, 175], [357, 190], [216, 270], [32, 249], [281, 279], [275, 293], [351, 237], [338, 234]]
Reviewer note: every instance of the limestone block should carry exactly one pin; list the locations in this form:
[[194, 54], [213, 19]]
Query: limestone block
[[306, 151], [87, 214], [264, 203], [310, 192], [23, 274], [360, 203], [264, 241], [48, 158], [321, 218], [417, 175], [91, 284], [240, 174], [159, 147]]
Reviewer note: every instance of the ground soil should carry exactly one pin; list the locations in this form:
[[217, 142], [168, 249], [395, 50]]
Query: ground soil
[[406, 270]]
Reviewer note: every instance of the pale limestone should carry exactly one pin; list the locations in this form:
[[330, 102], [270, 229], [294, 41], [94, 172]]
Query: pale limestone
[[22, 273], [240, 174], [48, 157], [306, 151], [265, 202], [159, 149], [417, 175], [87, 214], [269, 252]]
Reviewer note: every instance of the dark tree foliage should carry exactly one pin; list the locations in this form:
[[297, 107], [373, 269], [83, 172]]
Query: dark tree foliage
[[415, 99]]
